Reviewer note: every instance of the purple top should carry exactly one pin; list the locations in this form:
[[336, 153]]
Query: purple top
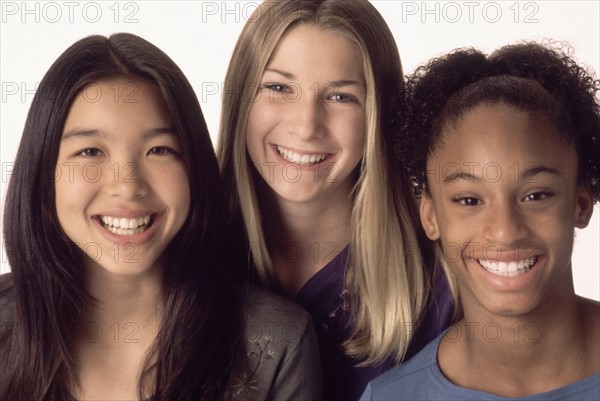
[[323, 296]]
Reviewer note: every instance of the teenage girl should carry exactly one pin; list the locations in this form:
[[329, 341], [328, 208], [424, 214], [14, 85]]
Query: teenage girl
[[119, 287], [308, 100], [505, 150]]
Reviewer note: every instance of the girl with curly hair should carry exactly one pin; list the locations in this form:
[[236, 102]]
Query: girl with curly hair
[[505, 153]]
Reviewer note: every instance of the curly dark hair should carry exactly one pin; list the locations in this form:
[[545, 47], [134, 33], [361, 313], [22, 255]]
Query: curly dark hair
[[540, 78]]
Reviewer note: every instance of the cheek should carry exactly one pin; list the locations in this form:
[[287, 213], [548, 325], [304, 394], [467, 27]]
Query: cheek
[[175, 191], [263, 116], [455, 234], [358, 145], [253, 144], [74, 186], [254, 134], [73, 195], [556, 228], [352, 132]]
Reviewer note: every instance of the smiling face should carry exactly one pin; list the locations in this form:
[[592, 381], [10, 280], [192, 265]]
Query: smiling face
[[306, 128], [122, 190], [504, 200]]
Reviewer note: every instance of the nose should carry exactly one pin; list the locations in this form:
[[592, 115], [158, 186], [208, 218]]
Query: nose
[[505, 226], [306, 117], [126, 180]]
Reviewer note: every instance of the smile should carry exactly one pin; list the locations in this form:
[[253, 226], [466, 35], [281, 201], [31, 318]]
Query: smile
[[508, 269], [304, 159], [125, 226]]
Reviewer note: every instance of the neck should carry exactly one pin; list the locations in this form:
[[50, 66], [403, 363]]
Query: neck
[[122, 298], [520, 343], [303, 237], [116, 333], [515, 356]]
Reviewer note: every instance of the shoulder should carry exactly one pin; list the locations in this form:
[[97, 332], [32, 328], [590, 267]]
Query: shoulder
[[406, 381], [6, 282], [263, 307], [281, 347], [417, 365], [271, 318], [583, 390]]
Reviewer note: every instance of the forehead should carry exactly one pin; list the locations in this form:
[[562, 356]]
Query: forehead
[[309, 49], [500, 134], [117, 103]]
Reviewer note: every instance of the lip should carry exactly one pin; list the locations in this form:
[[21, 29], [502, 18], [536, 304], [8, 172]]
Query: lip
[[128, 214], [506, 255], [301, 152], [138, 238], [508, 283]]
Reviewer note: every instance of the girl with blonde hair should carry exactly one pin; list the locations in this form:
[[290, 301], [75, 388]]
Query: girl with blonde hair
[[308, 97]]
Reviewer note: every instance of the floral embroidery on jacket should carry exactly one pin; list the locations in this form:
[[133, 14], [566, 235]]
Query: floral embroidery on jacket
[[258, 353]]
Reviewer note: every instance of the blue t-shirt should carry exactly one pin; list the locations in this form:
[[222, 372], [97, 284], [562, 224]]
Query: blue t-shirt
[[421, 379]]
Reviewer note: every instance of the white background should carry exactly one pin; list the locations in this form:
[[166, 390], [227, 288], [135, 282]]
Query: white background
[[200, 36]]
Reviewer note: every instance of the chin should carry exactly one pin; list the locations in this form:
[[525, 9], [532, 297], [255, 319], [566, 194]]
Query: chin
[[124, 268], [517, 306], [297, 192]]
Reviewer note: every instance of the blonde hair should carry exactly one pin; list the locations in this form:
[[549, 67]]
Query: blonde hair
[[386, 278]]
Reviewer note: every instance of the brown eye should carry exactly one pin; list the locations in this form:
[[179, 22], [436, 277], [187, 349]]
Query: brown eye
[[537, 196], [162, 151], [90, 152], [275, 87], [341, 98], [467, 201]]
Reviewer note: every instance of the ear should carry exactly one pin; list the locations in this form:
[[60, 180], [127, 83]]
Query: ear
[[584, 206], [429, 218]]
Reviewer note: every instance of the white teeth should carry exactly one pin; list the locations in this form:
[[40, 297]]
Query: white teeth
[[508, 269], [124, 226], [503, 267], [298, 158]]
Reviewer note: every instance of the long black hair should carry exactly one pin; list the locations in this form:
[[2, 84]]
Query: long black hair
[[196, 354]]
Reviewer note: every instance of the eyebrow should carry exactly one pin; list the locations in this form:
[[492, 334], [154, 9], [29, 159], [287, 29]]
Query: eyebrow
[[535, 170], [151, 133], [346, 82], [461, 176], [82, 133], [282, 73], [340, 83], [528, 173], [93, 133]]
